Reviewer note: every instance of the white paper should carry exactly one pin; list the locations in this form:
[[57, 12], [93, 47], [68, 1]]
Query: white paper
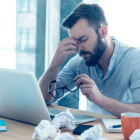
[[64, 136], [64, 119], [93, 133], [45, 131], [135, 135]]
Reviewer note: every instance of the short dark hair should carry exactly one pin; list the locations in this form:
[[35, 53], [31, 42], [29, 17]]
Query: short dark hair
[[93, 13]]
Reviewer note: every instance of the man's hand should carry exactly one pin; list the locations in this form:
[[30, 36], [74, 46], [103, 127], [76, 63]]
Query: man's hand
[[65, 48], [89, 88]]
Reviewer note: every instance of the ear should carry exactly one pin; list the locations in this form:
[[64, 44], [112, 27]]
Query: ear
[[103, 31]]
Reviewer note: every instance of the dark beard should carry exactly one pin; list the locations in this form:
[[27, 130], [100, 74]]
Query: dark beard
[[98, 51]]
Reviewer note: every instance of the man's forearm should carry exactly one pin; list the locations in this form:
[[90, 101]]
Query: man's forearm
[[47, 77], [116, 108]]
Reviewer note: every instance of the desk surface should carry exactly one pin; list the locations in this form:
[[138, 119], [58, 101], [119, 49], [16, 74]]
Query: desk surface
[[21, 131]]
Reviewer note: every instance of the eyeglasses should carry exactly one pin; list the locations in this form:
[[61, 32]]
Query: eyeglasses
[[60, 90]]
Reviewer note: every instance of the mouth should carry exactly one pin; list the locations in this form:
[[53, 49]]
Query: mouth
[[85, 55]]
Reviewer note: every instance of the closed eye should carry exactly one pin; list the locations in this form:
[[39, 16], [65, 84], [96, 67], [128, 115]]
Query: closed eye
[[83, 40]]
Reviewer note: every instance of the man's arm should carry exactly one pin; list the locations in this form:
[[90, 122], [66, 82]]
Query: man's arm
[[91, 91], [116, 108], [65, 48], [47, 77]]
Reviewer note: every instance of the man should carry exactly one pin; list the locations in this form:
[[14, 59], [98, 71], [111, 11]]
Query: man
[[109, 70]]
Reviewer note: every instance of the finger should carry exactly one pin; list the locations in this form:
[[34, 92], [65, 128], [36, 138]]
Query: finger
[[83, 86], [70, 47], [82, 80], [70, 52], [81, 75], [68, 41]]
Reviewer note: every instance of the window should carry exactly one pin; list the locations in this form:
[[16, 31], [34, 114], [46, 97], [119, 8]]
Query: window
[[18, 34], [8, 34], [123, 19], [26, 35], [25, 6]]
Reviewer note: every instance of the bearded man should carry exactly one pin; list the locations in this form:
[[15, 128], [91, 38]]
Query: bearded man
[[109, 70]]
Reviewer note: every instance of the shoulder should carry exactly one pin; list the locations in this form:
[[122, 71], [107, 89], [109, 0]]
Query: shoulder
[[126, 49], [127, 53], [129, 57]]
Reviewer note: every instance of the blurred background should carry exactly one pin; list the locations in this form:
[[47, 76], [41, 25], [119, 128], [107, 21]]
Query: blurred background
[[30, 31]]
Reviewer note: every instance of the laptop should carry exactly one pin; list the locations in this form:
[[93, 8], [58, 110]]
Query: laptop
[[21, 99]]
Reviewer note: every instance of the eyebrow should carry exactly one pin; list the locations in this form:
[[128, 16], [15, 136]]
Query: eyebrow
[[80, 37]]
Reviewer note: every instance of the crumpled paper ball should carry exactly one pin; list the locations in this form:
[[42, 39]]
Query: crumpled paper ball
[[64, 119], [93, 133], [135, 135], [45, 131]]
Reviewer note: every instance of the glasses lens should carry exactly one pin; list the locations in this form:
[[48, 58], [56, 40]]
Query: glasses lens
[[59, 93], [72, 87]]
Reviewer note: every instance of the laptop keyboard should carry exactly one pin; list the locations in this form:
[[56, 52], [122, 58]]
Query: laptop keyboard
[[79, 118]]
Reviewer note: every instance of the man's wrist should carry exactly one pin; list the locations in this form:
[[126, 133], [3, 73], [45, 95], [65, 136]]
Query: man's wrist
[[53, 66], [102, 100]]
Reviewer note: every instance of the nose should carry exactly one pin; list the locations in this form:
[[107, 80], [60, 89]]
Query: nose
[[80, 47]]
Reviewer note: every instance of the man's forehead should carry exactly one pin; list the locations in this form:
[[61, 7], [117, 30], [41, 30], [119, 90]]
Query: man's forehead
[[77, 34], [79, 29]]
